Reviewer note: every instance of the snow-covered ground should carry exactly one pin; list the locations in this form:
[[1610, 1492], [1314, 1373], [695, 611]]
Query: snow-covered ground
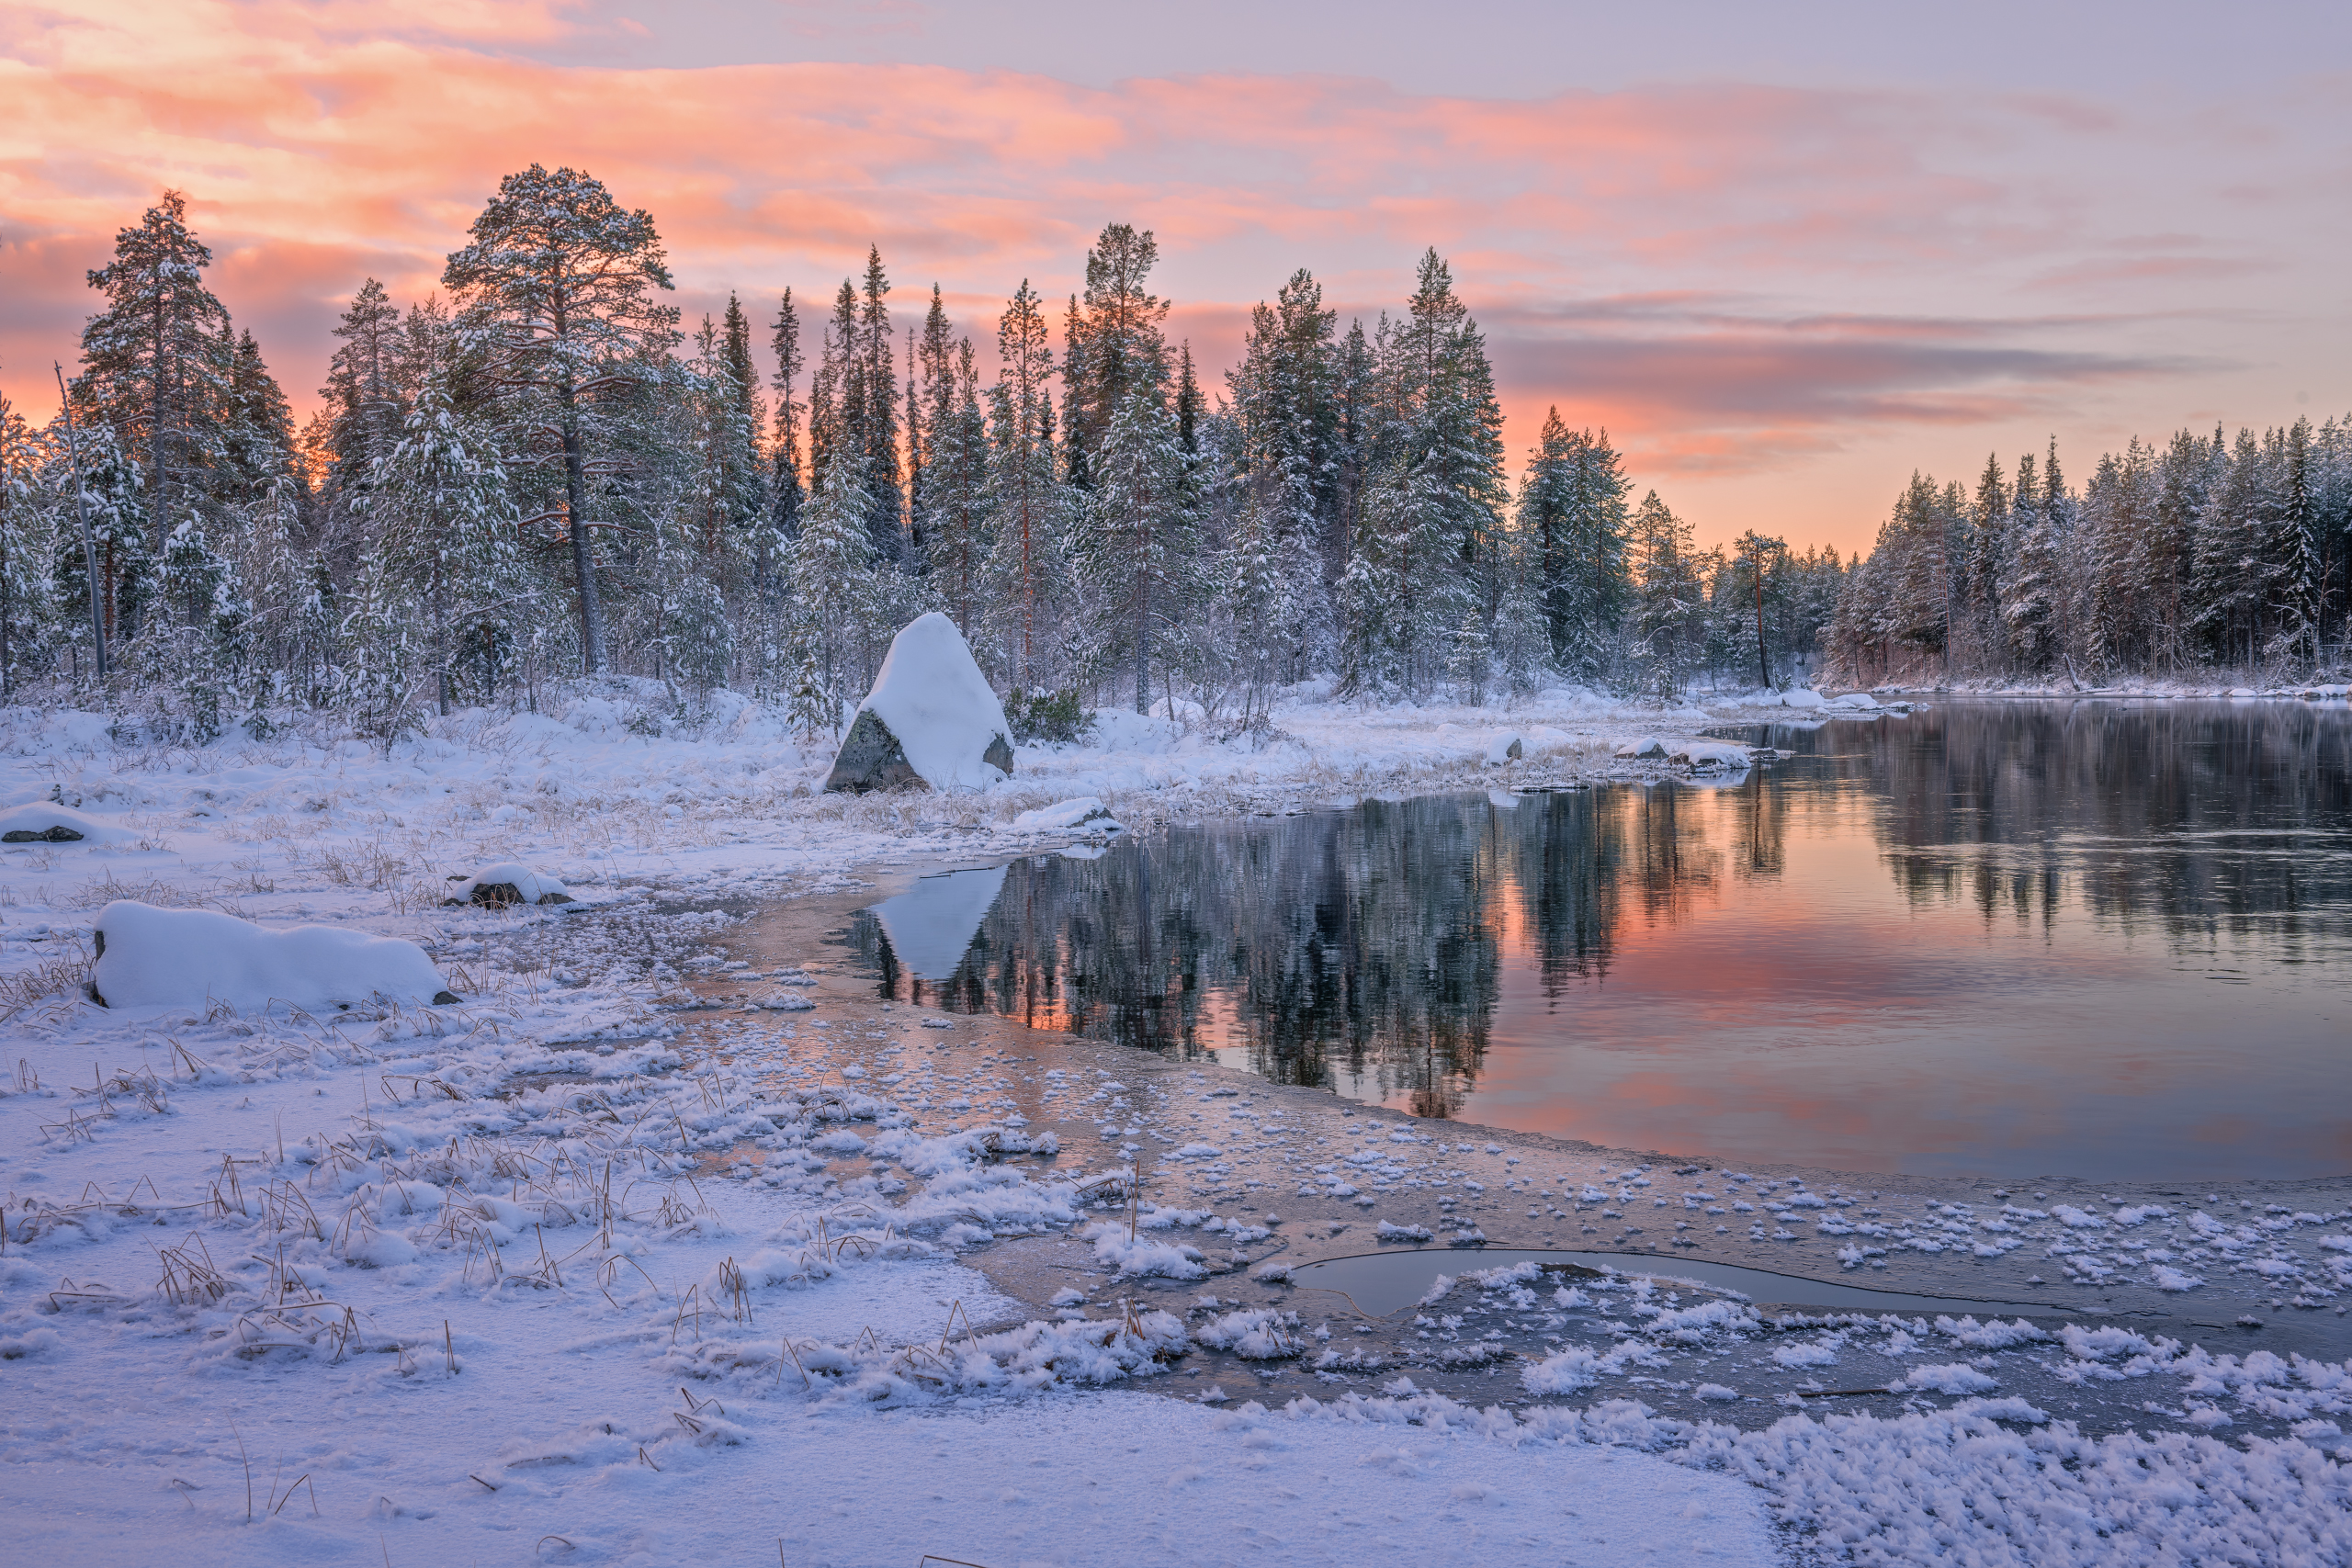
[[646, 1251]]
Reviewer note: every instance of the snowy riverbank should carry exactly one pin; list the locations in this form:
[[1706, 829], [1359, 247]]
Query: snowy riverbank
[[671, 1243]]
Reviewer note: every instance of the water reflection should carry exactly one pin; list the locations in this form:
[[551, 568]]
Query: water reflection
[[2088, 937]]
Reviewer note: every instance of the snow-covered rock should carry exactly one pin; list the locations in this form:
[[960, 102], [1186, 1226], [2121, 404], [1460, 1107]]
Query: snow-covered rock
[[151, 957], [1086, 811], [45, 821], [1647, 746], [1803, 697], [1505, 748], [1857, 702], [510, 882], [931, 719]]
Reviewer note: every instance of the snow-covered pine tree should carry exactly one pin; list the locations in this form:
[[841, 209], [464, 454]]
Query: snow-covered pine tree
[[1572, 506], [445, 577], [1669, 612], [114, 493], [1404, 590], [834, 581], [558, 303], [1287, 417], [1522, 641], [874, 420], [1026, 504], [1114, 336], [2292, 556], [2029, 584], [2225, 584], [1470, 660], [364, 403], [955, 492], [784, 483], [156, 362], [28, 539], [1981, 633], [1131, 548]]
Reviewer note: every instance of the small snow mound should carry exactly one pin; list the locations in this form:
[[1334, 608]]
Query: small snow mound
[[1086, 811], [1569, 1371], [931, 719], [1857, 702], [46, 822], [151, 957], [509, 883], [1803, 697], [1505, 748], [1957, 1378]]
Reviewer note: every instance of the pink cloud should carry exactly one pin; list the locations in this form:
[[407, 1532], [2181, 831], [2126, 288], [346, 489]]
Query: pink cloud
[[1726, 275]]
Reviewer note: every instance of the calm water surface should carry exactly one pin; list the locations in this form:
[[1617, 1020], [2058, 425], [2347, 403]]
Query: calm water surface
[[2096, 939]]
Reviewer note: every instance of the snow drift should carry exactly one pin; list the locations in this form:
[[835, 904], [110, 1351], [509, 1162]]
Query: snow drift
[[931, 719], [151, 957]]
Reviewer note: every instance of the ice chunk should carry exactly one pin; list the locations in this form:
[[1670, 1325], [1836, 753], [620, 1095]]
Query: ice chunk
[[151, 957], [931, 719], [1086, 811]]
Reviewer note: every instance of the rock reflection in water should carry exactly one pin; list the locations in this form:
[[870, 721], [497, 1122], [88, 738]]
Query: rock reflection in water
[[2007, 938]]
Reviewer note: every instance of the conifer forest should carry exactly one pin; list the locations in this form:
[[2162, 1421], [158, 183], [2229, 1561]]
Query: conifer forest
[[542, 470]]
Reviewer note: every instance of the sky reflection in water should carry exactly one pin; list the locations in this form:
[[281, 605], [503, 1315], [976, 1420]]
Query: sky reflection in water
[[2096, 939]]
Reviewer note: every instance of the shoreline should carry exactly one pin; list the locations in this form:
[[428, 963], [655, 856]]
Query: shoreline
[[489, 1269]]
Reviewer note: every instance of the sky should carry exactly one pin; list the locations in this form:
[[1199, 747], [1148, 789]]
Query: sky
[[1785, 255]]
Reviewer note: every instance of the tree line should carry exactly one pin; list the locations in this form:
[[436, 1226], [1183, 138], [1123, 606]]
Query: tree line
[[2203, 557], [542, 470]]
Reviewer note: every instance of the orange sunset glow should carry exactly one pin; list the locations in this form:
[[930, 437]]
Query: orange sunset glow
[[1780, 294]]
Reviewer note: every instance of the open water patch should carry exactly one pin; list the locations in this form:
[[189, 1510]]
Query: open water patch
[[2093, 941]]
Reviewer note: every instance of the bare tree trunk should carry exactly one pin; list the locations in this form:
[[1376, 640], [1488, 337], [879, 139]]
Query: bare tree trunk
[[583, 571]]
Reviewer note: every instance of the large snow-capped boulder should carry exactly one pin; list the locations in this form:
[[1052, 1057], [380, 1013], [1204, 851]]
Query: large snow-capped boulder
[[930, 719], [151, 957]]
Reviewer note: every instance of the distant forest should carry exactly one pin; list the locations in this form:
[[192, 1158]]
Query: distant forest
[[2204, 556], [541, 471]]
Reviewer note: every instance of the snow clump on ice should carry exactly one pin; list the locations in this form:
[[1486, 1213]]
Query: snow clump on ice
[[1086, 811]]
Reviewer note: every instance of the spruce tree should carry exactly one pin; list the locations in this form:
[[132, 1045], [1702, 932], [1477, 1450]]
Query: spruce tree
[[445, 573], [362, 394], [1133, 550], [1026, 505], [1572, 507], [1669, 612]]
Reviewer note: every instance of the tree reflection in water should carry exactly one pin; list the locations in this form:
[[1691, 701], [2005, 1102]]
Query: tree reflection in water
[[1373, 944]]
